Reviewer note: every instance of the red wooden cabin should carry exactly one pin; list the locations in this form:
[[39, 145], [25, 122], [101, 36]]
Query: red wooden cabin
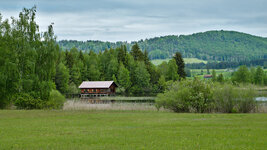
[[97, 88]]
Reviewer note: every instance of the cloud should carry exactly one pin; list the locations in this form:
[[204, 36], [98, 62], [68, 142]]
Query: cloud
[[120, 20]]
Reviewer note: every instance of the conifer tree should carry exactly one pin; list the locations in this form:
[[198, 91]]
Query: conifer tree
[[180, 64], [137, 53]]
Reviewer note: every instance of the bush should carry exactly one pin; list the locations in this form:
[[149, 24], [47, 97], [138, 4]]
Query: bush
[[224, 97], [56, 100], [72, 89], [26, 101], [187, 96], [246, 100], [231, 99], [200, 96]]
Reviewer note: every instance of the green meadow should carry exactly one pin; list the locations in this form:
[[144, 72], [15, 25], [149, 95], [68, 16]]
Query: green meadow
[[186, 60], [43, 129], [225, 72]]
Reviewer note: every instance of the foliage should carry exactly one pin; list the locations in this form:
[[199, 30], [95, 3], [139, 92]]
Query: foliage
[[259, 76], [56, 100], [242, 75], [73, 89], [230, 99], [186, 96], [214, 77], [141, 79], [162, 84], [62, 78], [137, 53], [200, 96], [26, 101], [171, 73], [220, 78], [124, 78], [180, 64], [211, 45], [28, 60], [225, 64]]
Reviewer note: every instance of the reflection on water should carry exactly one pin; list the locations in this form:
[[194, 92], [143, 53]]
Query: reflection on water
[[261, 98]]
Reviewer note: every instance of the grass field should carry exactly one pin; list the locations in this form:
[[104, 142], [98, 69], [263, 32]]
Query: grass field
[[186, 60], [197, 72], [39, 129]]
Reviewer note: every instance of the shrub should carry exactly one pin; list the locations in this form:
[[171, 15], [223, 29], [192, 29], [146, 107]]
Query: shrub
[[224, 97], [26, 101], [246, 100], [187, 96], [56, 100], [200, 96], [72, 89], [231, 99]]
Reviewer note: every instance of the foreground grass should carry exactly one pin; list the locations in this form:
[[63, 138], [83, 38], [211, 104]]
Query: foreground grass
[[130, 130]]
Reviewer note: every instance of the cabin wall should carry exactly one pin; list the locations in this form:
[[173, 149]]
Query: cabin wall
[[110, 90]]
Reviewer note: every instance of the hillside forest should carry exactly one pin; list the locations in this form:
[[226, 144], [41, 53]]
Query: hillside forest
[[213, 46]]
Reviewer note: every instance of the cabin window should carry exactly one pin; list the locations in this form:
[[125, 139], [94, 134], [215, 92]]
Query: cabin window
[[103, 90]]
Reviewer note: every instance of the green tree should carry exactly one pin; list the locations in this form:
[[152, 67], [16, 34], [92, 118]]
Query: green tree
[[220, 78], [172, 71], [180, 64], [93, 73], [162, 84], [252, 75], [137, 53], [141, 79], [259, 76], [112, 68], [242, 75], [124, 78], [75, 75], [214, 78], [122, 55], [163, 68], [62, 78]]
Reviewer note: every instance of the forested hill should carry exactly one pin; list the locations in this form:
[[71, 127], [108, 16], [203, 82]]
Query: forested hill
[[210, 45]]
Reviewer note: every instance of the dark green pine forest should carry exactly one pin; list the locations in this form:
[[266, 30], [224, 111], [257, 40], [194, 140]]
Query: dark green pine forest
[[212, 45]]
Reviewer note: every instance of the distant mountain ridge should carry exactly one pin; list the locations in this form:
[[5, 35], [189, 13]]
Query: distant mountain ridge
[[210, 45]]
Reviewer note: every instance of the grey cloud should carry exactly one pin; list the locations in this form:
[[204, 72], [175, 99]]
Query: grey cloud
[[115, 20]]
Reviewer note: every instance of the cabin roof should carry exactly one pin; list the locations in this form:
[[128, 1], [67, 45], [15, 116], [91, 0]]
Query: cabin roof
[[96, 84], [207, 76]]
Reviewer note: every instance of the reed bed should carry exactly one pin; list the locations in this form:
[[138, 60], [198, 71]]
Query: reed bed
[[83, 105]]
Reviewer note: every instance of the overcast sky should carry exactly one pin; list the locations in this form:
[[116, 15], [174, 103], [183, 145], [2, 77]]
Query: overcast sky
[[125, 20]]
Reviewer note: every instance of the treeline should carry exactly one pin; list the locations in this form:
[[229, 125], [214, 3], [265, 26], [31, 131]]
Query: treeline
[[212, 45], [132, 71], [252, 75], [225, 65], [35, 71]]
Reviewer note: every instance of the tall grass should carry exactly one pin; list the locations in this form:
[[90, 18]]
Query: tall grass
[[83, 105]]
